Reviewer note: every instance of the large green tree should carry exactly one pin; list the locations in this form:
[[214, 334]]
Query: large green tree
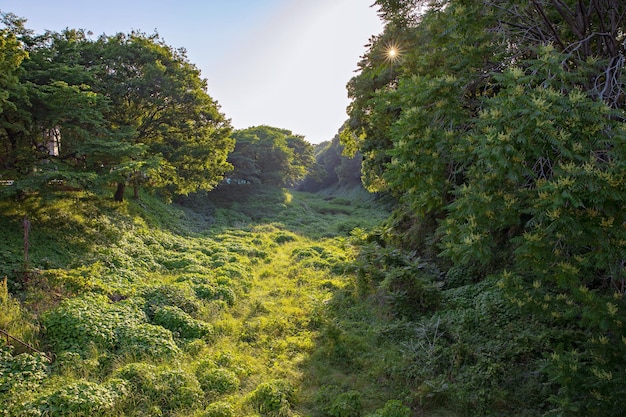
[[125, 109], [159, 100], [14, 119], [270, 155], [500, 126]]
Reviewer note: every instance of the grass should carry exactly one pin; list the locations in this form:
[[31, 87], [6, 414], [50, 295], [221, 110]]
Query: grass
[[248, 302], [257, 267]]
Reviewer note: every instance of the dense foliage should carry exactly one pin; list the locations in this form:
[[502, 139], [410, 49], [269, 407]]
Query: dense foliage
[[500, 127], [125, 109], [173, 311], [495, 288], [332, 168], [271, 156]]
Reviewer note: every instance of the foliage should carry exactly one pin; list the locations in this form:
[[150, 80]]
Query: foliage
[[216, 381], [407, 285], [89, 320], [19, 375], [219, 409], [84, 398], [179, 296], [269, 155], [499, 129], [273, 398], [14, 319], [124, 108], [333, 168], [164, 389], [180, 323], [345, 404], [393, 408]]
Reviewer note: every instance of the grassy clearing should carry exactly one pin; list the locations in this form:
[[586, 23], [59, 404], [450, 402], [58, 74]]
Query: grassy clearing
[[250, 302], [215, 307]]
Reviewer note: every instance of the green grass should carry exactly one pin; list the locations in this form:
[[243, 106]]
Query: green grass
[[231, 282], [246, 302]]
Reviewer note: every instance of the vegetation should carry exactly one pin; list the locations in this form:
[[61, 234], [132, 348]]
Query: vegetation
[[484, 277], [332, 169], [175, 312], [269, 155], [500, 128], [124, 109]]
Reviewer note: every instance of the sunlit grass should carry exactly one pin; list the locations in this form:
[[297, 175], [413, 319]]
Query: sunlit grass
[[260, 269]]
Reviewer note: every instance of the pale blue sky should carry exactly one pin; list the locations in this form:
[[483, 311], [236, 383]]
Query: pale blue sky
[[283, 63]]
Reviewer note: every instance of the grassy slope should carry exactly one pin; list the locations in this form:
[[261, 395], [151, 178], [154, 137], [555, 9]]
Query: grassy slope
[[252, 302], [280, 256]]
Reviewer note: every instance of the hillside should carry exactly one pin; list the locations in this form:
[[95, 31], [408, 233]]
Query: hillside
[[250, 301], [216, 307]]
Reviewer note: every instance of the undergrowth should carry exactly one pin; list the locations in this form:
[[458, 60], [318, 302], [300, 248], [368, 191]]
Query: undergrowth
[[248, 302]]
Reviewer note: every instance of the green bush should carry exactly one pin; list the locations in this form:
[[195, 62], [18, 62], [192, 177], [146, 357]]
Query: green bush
[[163, 388], [180, 323], [283, 237], [90, 320], [393, 408], [218, 292], [219, 409], [273, 398], [409, 286], [409, 292], [217, 380], [20, 373], [180, 296], [13, 317], [145, 340], [84, 399], [335, 404]]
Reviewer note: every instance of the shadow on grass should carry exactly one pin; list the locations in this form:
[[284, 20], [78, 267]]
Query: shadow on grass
[[306, 214]]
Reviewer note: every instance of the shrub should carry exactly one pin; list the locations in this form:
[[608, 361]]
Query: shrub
[[181, 324], [409, 292], [219, 292], [170, 295], [283, 237], [163, 388], [346, 404], [90, 320], [393, 408], [84, 399], [273, 398], [217, 380], [219, 409], [13, 318], [22, 372], [145, 340]]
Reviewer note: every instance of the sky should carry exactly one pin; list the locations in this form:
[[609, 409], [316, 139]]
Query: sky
[[282, 63]]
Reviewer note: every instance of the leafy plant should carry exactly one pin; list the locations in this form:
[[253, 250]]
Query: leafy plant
[[219, 409], [180, 296], [217, 381], [84, 399], [180, 323], [90, 320], [273, 398]]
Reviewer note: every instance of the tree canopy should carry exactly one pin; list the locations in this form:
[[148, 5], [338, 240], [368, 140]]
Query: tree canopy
[[500, 128], [127, 109], [270, 155]]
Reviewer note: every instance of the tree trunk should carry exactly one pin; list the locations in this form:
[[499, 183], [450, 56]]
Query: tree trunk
[[136, 192], [119, 193]]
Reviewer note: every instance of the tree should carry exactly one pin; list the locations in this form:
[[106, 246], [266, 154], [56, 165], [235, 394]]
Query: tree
[[270, 155], [13, 119], [333, 168], [158, 98], [501, 126]]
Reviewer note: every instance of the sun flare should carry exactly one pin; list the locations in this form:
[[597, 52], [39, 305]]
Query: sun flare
[[392, 52]]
